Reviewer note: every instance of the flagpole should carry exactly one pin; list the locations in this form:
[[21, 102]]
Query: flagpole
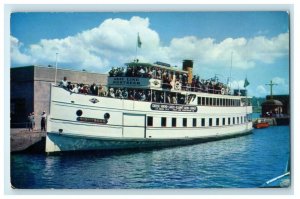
[[136, 46]]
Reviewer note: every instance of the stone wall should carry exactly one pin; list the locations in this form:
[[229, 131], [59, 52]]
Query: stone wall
[[32, 85], [21, 91]]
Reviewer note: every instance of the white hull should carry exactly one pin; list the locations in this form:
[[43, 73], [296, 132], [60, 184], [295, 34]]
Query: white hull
[[78, 143], [127, 125]]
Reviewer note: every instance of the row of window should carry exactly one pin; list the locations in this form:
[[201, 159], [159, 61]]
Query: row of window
[[230, 121], [209, 101]]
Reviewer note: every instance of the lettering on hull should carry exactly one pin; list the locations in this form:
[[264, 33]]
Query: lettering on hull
[[92, 120], [171, 107]]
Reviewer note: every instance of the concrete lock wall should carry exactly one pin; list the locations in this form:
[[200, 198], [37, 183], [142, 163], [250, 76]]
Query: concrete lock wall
[[30, 90]]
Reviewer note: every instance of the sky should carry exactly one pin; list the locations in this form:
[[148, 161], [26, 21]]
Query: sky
[[252, 45]]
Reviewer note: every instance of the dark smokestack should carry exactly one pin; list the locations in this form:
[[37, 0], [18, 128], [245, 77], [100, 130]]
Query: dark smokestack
[[187, 65]]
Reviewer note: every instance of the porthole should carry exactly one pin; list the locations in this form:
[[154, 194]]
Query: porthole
[[79, 113], [106, 116]]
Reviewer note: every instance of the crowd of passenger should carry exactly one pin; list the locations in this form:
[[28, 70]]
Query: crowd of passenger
[[146, 95], [81, 88], [125, 93], [208, 86], [151, 72], [197, 85]]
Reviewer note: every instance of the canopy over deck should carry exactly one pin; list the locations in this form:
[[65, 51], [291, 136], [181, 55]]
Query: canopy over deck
[[139, 64]]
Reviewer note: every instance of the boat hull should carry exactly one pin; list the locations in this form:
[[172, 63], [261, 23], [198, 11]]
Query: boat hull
[[261, 125], [56, 142], [83, 122]]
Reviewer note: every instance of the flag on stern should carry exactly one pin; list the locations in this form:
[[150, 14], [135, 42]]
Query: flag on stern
[[246, 83], [139, 43]]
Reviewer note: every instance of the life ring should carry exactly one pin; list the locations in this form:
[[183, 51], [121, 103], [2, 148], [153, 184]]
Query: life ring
[[223, 91], [177, 85], [227, 91]]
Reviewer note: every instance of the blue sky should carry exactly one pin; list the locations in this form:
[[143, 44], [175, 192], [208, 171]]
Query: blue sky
[[258, 41]]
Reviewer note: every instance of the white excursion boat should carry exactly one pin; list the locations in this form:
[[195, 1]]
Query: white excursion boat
[[146, 105]]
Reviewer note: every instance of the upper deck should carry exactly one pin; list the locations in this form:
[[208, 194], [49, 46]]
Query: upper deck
[[162, 77]]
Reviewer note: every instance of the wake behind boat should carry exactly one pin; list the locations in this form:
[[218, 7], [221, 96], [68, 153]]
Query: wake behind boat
[[145, 105]]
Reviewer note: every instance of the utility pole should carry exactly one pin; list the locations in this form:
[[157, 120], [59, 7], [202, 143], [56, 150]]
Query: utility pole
[[271, 88], [55, 68]]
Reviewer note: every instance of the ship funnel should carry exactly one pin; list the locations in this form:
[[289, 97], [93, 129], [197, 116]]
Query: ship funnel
[[187, 65]]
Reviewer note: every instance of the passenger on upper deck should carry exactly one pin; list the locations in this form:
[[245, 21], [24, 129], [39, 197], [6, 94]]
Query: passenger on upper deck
[[94, 89], [64, 83], [148, 96], [125, 94], [75, 89], [111, 93], [174, 99], [143, 96]]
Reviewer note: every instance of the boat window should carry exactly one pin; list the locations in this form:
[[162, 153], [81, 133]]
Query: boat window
[[173, 122], [210, 121], [229, 121], [163, 122], [184, 122], [203, 122], [214, 101], [223, 121], [237, 120], [217, 121], [149, 121], [210, 101], [199, 100], [218, 100], [233, 120], [207, 101], [194, 122], [223, 100], [242, 120], [203, 101]]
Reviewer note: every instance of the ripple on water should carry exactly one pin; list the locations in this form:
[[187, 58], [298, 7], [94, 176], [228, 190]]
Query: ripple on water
[[246, 161]]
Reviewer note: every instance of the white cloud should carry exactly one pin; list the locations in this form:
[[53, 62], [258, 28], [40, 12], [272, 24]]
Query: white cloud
[[278, 80], [237, 84], [261, 91], [281, 87], [17, 56], [114, 42]]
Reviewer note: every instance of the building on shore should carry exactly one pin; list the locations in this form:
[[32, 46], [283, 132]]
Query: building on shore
[[277, 107], [30, 90]]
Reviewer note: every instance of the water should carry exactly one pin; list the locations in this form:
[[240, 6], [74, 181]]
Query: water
[[246, 161]]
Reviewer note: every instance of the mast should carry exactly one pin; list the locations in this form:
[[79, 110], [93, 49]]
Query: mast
[[229, 78]]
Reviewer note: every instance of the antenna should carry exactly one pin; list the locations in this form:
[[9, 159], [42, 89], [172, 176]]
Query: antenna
[[229, 78]]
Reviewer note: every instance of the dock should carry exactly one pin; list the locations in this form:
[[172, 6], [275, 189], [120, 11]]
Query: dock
[[23, 140]]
